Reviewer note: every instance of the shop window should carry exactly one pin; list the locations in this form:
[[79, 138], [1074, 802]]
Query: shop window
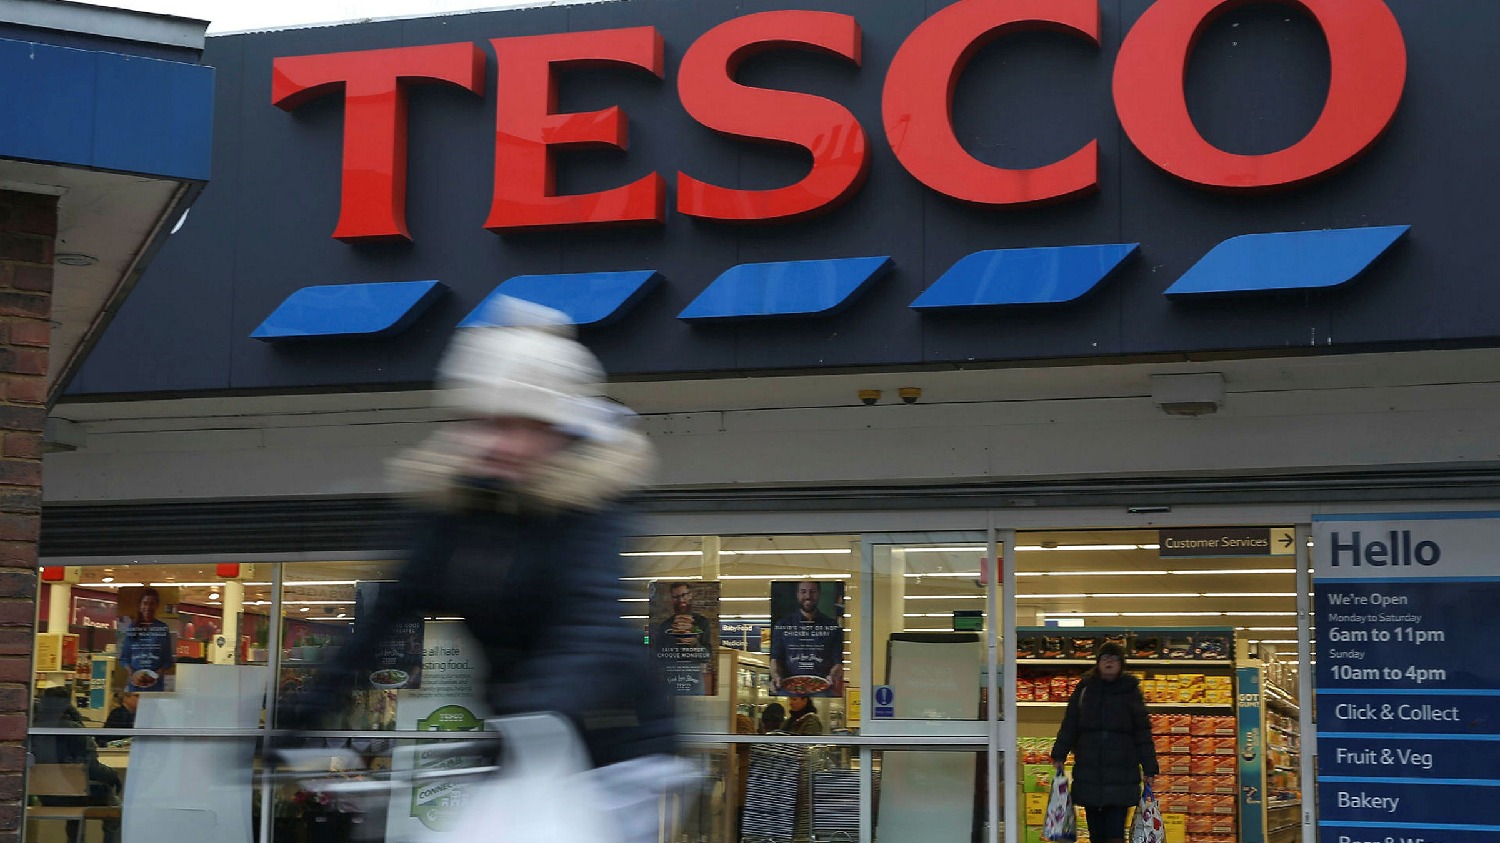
[[113, 635], [738, 624]]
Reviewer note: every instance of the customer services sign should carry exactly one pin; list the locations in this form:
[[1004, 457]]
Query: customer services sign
[[1408, 693]]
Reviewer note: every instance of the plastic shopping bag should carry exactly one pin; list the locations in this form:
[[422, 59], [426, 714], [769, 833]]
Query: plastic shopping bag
[[1148, 826], [1061, 822], [543, 793]]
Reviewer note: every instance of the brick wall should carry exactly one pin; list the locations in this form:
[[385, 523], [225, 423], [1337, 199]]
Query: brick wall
[[28, 226]]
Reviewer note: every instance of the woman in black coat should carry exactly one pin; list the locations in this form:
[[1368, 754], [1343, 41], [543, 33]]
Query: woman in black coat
[[521, 537], [1107, 729]]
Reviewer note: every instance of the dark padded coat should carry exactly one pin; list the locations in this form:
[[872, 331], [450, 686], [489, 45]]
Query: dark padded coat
[[539, 590], [1107, 729]]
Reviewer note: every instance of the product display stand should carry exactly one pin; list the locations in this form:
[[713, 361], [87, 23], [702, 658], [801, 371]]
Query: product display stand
[[1270, 756]]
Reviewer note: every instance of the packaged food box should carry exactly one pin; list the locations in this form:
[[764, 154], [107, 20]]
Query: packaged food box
[[1221, 825], [1224, 725], [1050, 647], [1180, 744], [1220, 683], [1225, 745], [1026, 647], [1218, 697], [1023, 690], [1204, 746], [1146, 647], [1203, 725], [1059, 689], [1180, 724], [1198, 824], [1177, 647], [1222, 803], [1169, 783], [1084, 646], [1211, 647], [1203, 765], [1036, 778], [1177, 765], [1200, 803], [1174, 803], [1163, 743], [1223, 785], [1223, 765], [1201, 785], [1159, 725]]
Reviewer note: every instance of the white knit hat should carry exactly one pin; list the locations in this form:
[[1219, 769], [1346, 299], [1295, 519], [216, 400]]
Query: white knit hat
[[525, 362]]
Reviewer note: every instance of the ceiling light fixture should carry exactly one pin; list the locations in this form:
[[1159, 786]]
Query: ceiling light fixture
[[75, 259]]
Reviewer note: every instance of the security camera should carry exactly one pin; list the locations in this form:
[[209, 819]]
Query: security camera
[[909, 394], [869, 396]]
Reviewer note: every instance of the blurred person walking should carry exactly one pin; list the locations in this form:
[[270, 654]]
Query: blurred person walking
[[520, 535], [1108, 730]]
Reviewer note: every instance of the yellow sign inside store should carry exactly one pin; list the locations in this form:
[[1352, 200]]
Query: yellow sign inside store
[[1176, 827]]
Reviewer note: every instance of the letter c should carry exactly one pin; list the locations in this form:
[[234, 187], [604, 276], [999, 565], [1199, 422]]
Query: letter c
[[917, 104], [1367, 57]]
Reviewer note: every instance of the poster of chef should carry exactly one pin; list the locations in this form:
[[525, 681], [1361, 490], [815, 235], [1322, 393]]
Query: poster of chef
[[146, 637], [807, 638], [684, 634]]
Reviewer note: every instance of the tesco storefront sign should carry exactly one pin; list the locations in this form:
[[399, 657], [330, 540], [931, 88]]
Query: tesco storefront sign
[[1367, 56]]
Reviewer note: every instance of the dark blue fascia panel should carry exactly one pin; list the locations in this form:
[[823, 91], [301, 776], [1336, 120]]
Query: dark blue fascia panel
[[105, 111]]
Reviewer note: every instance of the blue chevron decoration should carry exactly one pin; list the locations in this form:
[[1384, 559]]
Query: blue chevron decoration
[[1286, 260], [378, 309], [1047, 275], [787, 288], [587, 298]]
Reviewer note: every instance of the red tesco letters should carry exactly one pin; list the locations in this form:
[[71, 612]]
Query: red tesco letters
[[1368, 72]]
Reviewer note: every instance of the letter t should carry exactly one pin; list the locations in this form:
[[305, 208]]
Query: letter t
[[373, 202]]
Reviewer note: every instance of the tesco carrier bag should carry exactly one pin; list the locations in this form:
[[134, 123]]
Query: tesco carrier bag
[[1148, 826], [1061, 823]]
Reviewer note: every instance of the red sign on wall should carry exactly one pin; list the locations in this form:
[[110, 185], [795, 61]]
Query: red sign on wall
[[1368, 72]]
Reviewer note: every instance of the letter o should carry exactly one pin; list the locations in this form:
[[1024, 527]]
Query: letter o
[[1368, 72]]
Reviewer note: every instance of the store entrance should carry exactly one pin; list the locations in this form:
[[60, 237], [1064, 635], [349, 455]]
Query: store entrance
[[1206, 619]]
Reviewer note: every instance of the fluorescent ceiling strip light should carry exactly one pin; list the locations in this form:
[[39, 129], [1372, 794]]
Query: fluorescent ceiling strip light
[[1026, 548], [661, 577], [1235, 571], [290, 583], [798, 552], [969, 575], [634, 617], [662, 553], [111, 585], [788, 576], [1051, 596], [185, 584], [944, 597], [1267, 628], [748, 617], [317, 602], [1120, 573], [967, 549], [1251, 594]]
